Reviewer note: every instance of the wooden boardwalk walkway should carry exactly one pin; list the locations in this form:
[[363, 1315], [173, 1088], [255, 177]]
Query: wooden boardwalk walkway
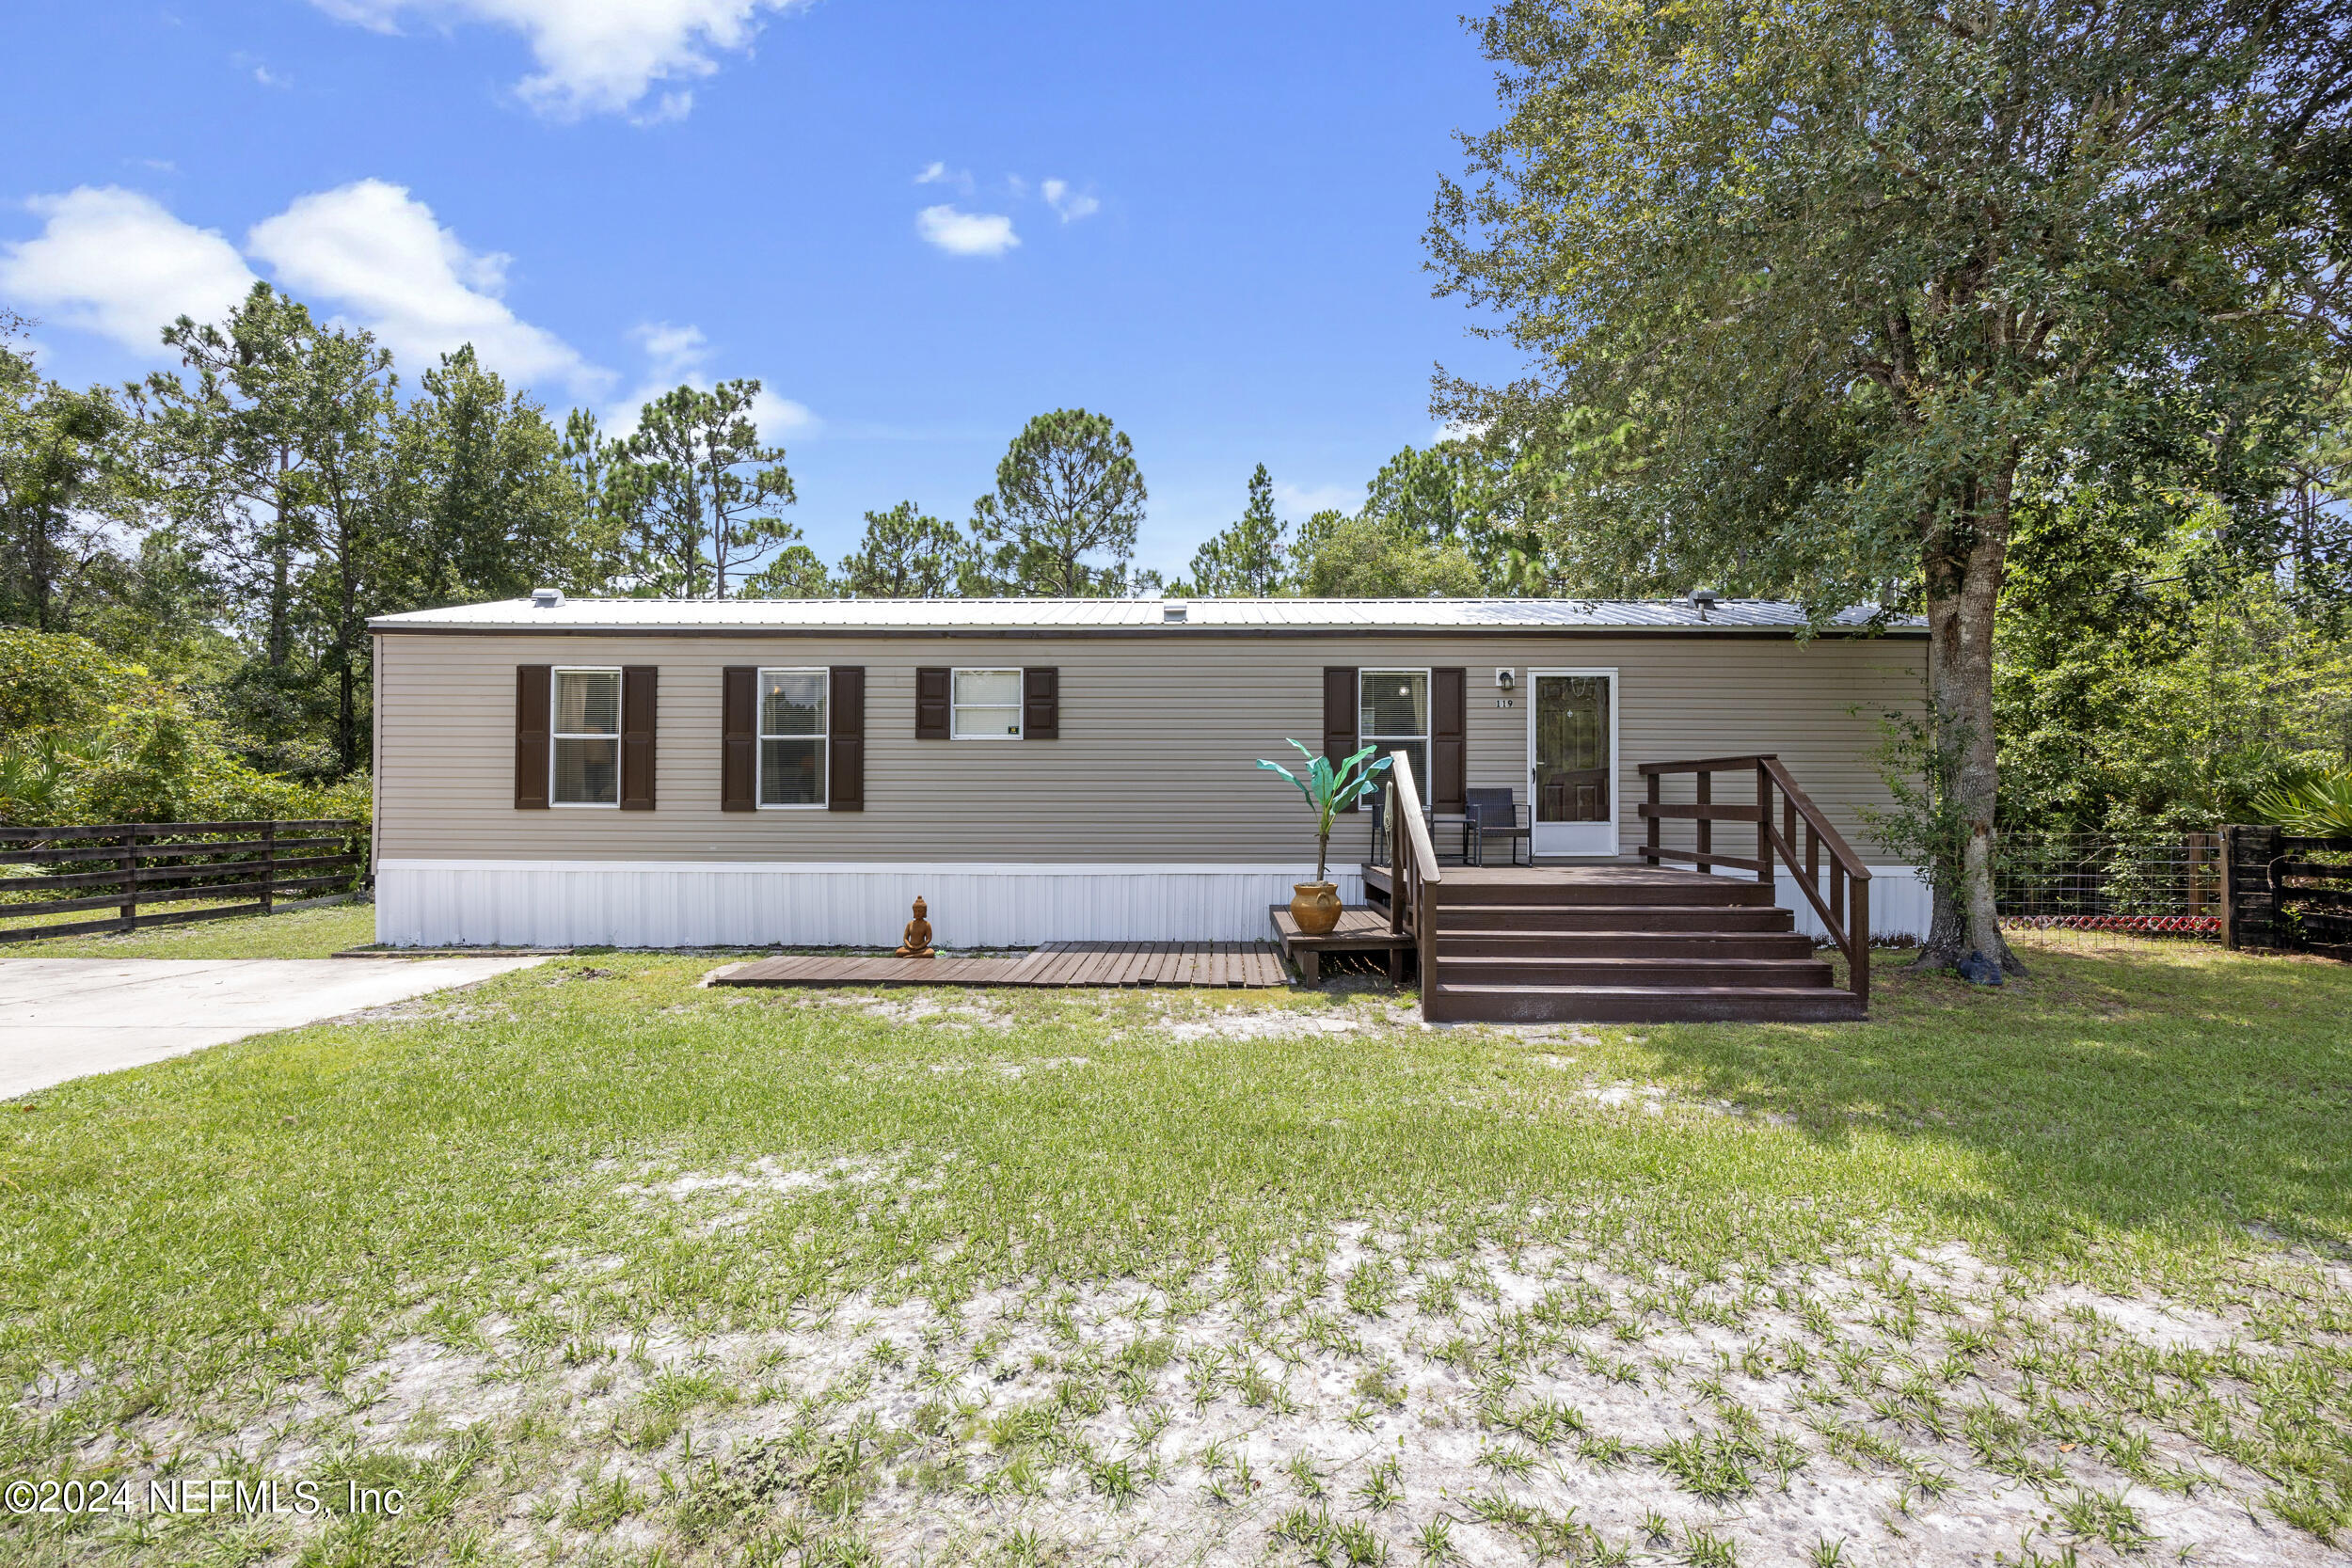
[[1359, 930], [1224, 964]]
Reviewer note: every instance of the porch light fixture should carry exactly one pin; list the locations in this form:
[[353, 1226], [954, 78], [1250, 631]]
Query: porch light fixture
[[1505, 680]]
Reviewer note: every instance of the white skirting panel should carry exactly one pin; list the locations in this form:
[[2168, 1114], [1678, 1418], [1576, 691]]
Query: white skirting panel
[[432, 903], [1900, 902]]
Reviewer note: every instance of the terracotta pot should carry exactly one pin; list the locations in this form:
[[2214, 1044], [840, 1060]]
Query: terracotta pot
[[1316, 907]]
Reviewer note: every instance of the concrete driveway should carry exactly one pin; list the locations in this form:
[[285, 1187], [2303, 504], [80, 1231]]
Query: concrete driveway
[[68, 1018]]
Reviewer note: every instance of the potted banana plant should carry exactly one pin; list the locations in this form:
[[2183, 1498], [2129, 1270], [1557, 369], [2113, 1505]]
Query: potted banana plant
[[1330, 790]]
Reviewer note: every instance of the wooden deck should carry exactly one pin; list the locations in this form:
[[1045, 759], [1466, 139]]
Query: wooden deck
[[1359, 930], [1205, 964]]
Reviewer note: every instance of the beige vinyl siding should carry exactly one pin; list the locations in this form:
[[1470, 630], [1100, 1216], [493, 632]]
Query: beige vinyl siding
[[1156, 763]]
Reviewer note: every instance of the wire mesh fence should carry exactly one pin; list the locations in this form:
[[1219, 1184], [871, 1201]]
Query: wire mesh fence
[[2101, 884]]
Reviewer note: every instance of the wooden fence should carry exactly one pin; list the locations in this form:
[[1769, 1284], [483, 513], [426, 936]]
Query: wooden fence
[[2286, 891], [119, 865]]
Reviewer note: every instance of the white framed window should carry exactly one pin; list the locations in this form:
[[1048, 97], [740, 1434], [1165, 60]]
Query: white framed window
[[1393, 713], [584, 741], [794, 733], [987, 704]]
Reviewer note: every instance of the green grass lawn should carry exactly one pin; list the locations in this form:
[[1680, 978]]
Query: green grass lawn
[[608, 1266], [313, 933]]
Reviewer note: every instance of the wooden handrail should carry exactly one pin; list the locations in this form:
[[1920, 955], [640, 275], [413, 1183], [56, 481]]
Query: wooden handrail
[[1408, 812], [1845, 911], [1413, 871], [1706, 765], [1831, 838]]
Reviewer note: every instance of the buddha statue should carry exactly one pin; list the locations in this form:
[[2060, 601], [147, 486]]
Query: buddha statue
[[917, 942]]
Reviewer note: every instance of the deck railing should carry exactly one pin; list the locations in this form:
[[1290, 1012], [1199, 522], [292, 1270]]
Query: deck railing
[[1844, 906], [1412, 868], [179, 863]]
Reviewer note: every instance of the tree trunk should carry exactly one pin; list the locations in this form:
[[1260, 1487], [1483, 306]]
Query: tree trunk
[[40, 557], [346, 721], [1965, 556], [278, 642], [346, 695], [281, 641]]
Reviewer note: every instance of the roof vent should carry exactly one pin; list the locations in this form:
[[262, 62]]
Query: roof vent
[[546, 598], [1705, 598], [1171, 614]]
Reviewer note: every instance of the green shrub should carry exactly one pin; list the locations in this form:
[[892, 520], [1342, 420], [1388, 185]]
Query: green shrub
[[153, 759], [57, 681], [2319, 807]]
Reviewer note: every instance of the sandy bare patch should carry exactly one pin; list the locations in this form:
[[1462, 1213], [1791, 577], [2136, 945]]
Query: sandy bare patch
[[766, 1175], [1270, 1023], [918, 1007], [1518, 1407]]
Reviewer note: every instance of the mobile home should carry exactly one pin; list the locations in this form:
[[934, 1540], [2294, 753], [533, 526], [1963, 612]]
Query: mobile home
[[662, 773]]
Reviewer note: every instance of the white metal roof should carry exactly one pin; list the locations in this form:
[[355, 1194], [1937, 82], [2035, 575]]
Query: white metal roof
[[1114, 615]]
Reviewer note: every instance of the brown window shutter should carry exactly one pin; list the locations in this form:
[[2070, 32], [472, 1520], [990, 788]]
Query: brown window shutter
[[738, 737], [531, 682], [637, 727], [1449, 749], [845, 768], [931, 685], [1338, 714], [1041, 704]]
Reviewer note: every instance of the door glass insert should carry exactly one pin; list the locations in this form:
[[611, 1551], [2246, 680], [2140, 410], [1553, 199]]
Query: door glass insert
[[1572, 749]]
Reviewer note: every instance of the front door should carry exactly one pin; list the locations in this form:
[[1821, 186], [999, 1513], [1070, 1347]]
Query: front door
[[1572, 745]]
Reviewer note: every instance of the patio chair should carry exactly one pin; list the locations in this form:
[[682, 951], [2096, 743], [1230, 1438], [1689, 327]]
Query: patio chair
[[1495, 814]]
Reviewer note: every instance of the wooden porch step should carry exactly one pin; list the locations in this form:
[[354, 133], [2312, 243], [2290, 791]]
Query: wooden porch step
[[1625, 943], [1530, 968], [1545, 1004], [1650, 890], [1540, 918], [1618, 943]]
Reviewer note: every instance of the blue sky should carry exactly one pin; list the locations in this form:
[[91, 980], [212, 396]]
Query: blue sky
[[1203, 220]]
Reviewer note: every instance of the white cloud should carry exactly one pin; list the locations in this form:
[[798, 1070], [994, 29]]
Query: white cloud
[[961, 233], [780, 417], [677, 356], [115, 262], [1307, 499], [671, 353], [1066, 202], [377, 252], [594, 56]]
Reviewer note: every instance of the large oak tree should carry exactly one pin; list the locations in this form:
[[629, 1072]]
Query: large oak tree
[[1820, 292]]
